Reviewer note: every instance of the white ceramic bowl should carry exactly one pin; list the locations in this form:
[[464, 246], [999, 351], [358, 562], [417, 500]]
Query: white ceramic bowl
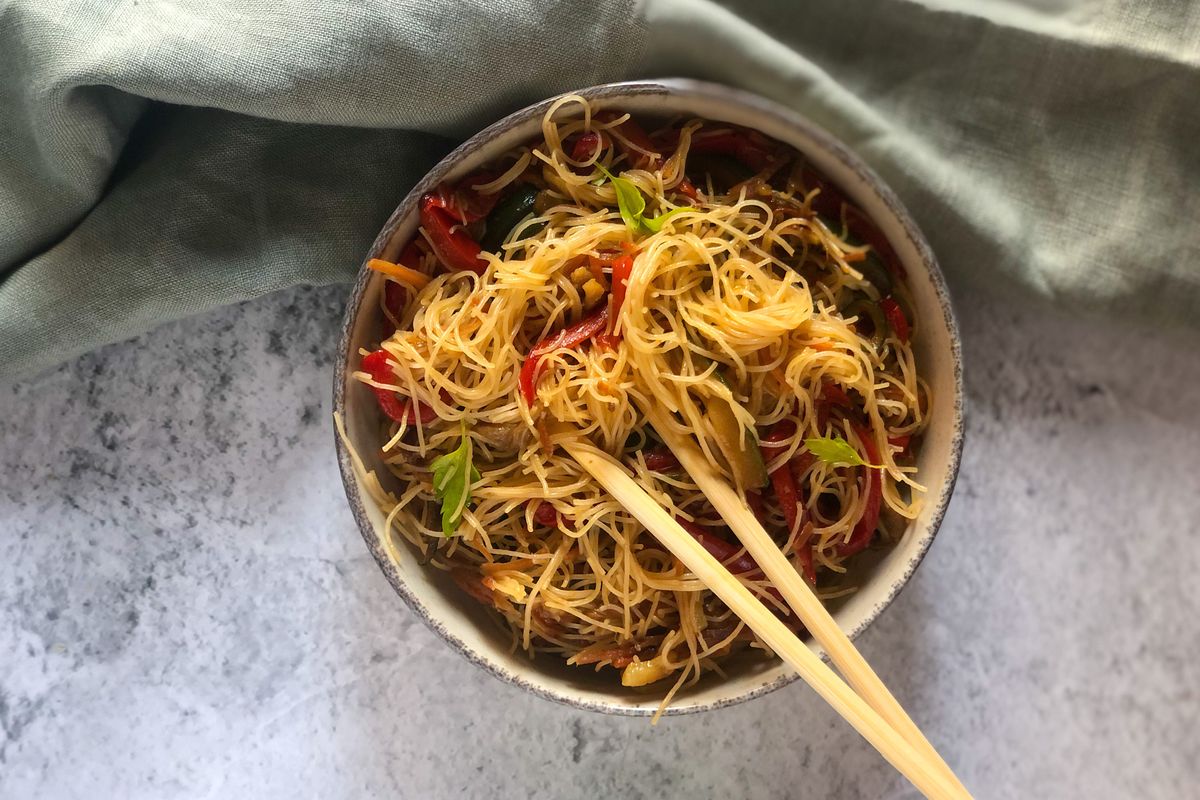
[[461, 621]]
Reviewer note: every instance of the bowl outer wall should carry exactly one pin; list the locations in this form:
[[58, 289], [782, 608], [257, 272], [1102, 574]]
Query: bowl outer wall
[[439, 604]]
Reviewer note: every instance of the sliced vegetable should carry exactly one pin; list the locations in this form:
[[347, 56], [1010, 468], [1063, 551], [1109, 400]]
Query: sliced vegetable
[[749, 147], [895, 317], [454, 247], [782, 479], [876, 273], [394, 298], [687, 188], [471, 582], [395, 295], [508, 213], [572, 336], [865, 310], [453, 474], [723, 171], [646, 155], [739, 446], [661, 459], [835, 395], [587, 145], [544, 514], [462, 201], [864, 530], [828, 203], [641, 673], [407, 276], [397, 407], [754, 501], [720, 549], [622, 268], [618, 655], [830, 395], [804, 553]]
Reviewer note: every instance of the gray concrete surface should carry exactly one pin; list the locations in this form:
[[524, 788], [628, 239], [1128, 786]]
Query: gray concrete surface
[[187, 611]]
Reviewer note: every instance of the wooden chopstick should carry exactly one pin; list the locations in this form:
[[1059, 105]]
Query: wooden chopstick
[[799, 595], [925, 774]]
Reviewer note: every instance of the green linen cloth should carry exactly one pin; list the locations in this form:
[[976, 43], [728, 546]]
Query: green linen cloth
[[159, 158]]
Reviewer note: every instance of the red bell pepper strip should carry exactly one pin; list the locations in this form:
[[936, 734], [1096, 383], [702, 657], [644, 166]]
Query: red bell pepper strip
[[687, 188], [394, 293], [660, 459], [397, 408], [835, 394], [895, 317], [831, 395], [608, 341], [587, 145], [719, 549], [544, 514], [798, 465], [471, 582], [394, 297], [572, 336], [453, 246], [633, 133], [748, 147], [782, 480], [864, 530], [869, 232], [828, 203], [900, 441], [462, 202], [754, 501], [726, 553], [622, 268]]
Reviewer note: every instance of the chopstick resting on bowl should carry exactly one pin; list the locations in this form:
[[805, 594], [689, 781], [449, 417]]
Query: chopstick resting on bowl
[[929, 775], [795, 590]]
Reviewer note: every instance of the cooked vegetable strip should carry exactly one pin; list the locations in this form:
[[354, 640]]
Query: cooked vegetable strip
[[570, 337], [407, 276]]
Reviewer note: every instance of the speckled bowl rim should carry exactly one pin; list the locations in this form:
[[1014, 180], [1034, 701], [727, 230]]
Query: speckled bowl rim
[[610, 91]]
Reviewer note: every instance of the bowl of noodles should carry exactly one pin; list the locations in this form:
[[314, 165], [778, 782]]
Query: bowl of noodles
[[667, 249]]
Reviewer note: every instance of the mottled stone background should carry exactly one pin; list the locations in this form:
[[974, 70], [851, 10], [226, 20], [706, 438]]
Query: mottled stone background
[[187, 610]]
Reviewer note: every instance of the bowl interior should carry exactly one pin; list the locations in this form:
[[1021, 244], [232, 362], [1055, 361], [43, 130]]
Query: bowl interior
[[880, 575]]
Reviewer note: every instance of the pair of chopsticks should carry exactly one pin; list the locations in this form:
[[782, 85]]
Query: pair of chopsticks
[[869, 707]]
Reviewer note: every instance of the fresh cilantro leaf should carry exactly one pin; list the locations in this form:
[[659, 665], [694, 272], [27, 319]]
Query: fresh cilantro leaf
[[629, 200], [632, 206], [654, 224], [453, 474], [834, 450]]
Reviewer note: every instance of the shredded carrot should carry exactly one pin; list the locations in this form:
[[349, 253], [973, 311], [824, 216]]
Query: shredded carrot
[[407, 276]]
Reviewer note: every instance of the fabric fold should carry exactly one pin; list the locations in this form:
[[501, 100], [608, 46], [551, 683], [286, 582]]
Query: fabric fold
[[157, 160]]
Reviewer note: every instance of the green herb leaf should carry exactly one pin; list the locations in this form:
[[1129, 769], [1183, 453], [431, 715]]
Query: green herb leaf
[[629, 200], [453, 474], [654, 224], [632, 205], [834, 451]]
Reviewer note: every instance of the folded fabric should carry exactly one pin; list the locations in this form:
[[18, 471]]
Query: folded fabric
[[160, 159]]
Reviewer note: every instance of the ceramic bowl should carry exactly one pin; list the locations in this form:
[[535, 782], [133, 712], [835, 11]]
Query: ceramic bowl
[[461, 621]]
